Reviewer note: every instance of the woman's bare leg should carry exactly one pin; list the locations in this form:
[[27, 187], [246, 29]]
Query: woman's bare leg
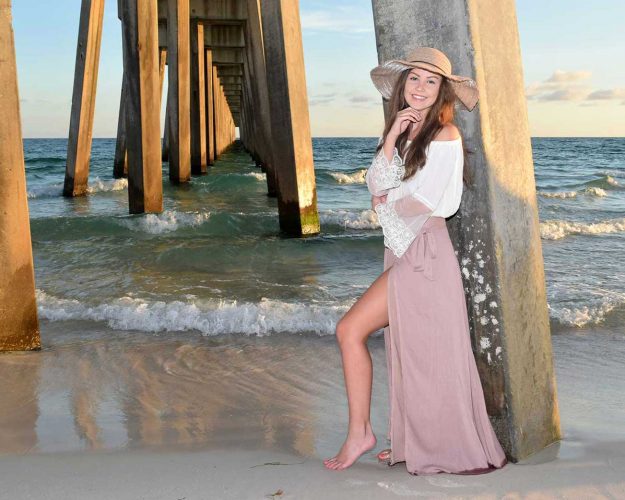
[[368, 314]]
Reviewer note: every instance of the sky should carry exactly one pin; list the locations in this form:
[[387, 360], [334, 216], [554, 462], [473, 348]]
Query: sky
[[572, 55]]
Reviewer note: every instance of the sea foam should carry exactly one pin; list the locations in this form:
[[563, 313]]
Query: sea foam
[[165, 222], [587, 315], [589, 191], [557, 229], [95, 186], [352, 219], [354, 178], [259, 176], [212, 317]]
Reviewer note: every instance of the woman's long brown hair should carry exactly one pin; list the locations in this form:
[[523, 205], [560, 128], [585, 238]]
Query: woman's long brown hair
[[440, 114]]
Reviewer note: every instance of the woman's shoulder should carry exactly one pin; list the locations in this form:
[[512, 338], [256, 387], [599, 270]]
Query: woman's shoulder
[[448, 134]]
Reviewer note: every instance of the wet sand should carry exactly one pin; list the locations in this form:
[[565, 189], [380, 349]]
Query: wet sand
[[104, 414]]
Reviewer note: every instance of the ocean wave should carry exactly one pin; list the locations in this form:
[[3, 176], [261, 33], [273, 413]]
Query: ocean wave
[[352, 219], [590, 191], [209, 317], [556, 229], [259, 176], [353, 178], [165, 222], [587, 315], [606, 181], [100, 186], [95, 186]]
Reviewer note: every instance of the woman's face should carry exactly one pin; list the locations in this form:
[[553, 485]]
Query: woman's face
[[421, 88]]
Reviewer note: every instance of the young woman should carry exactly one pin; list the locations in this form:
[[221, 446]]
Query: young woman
[[437, 419]]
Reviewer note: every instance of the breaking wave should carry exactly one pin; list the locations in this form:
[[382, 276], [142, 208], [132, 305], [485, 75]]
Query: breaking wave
[[557, 229], [95, 186], [357, 177], [212, 317], [165, 222], [351, 219]]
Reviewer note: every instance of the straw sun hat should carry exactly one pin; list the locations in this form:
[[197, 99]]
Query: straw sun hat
[[385, 75]]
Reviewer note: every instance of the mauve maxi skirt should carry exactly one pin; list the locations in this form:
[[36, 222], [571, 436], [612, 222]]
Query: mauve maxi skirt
[[437, 420]]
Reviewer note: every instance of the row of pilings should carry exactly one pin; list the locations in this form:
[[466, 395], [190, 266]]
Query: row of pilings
[[239, 63], [215, 55]]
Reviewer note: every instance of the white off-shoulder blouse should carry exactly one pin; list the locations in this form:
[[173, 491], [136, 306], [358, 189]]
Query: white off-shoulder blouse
[[433, 191]]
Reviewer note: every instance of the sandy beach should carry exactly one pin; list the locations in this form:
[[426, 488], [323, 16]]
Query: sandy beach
[[138, 415]]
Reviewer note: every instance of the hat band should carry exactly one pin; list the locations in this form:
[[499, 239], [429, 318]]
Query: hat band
[[432, 64]]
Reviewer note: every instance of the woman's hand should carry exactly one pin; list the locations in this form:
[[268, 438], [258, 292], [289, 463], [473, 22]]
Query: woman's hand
[[376, 200], [402, 121]]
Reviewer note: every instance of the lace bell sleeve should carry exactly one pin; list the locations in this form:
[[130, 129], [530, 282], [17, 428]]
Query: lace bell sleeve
[[383, 175], [402, 219]]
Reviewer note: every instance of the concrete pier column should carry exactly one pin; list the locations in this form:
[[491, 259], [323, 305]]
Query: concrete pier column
[[19, 326], [198, 99], [83, 97], [162, 64], [141, 61], [290, 123], [496, 230], [120, 163], [165, 147], [178, 122], [217, 113], [210, 112]]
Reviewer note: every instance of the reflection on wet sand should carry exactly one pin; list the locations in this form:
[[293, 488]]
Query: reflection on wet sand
[[19, 409], [156, 391]]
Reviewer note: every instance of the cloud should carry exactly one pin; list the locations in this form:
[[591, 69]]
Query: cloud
[[341, 19], [570, 94], [362, 99], [321, 99], [570, 86], [560, 86], [560, 76], [600, 95]]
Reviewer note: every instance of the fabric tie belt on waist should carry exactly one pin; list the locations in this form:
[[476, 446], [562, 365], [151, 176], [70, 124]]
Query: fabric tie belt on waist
[[427, 240]]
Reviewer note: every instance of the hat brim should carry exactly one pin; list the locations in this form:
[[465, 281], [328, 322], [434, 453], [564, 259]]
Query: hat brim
[[385, 77]]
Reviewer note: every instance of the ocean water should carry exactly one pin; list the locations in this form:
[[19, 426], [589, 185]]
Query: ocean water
[[215, 262]]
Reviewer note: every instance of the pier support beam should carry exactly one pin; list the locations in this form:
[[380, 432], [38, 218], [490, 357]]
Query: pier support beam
[[198, 99], [178, 118], [496, 230], [141, 61], [210, 108], [19, 326], [120, 163], [290, 122], [258, 90], [83, 97]]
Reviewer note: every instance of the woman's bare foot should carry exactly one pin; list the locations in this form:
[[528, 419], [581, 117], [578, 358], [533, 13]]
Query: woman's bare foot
[[384, 455], [352, 449]]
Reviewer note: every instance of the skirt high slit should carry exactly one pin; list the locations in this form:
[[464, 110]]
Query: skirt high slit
[[437, 420]]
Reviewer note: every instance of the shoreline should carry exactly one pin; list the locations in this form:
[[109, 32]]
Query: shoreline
[[107, 414]]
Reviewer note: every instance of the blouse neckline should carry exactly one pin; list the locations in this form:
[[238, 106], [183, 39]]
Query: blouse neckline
[[452, 141]]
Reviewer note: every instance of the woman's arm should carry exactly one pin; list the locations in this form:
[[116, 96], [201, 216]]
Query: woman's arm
[[402, 219]]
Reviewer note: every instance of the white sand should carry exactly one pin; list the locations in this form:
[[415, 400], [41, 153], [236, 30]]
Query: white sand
[[128, 416]]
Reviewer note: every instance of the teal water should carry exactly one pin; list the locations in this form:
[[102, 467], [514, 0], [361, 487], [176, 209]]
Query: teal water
[[214, 261]]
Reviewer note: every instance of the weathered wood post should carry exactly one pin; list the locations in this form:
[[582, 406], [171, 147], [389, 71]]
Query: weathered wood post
[[120, 163], [165, 147], [218, 105], [216, 111], [19, 326], [178, 123], [496, 230], [210, 112], [141, 62], [83, 97], [198, 99], [290, 123]]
